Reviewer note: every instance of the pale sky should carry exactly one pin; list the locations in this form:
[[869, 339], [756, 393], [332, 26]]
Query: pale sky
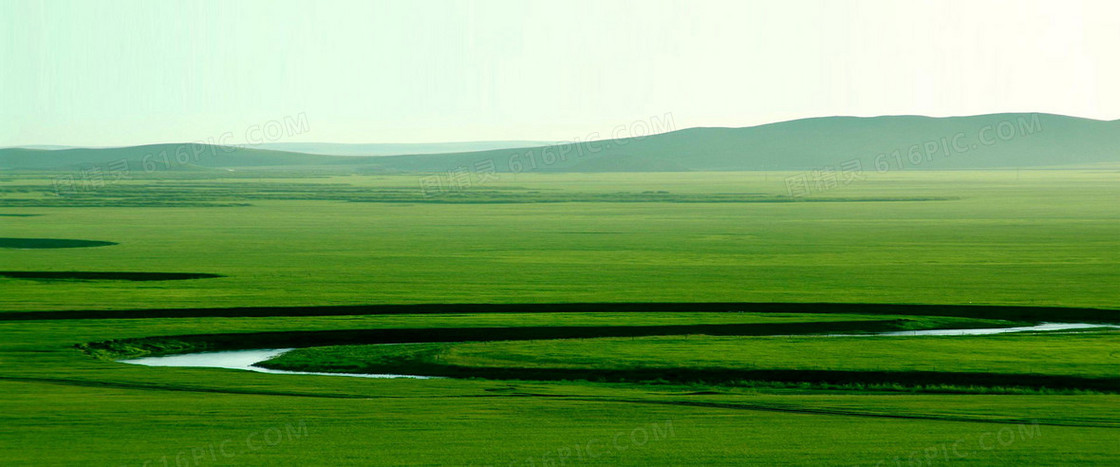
[[100, 73]]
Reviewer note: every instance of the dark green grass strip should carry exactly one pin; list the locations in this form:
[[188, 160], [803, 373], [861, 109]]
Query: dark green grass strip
[[721, 376], [122, 348], [30, 243], [156, 387], [105, 276], [1011, 313]]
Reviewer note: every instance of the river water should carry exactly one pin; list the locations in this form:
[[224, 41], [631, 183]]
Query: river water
[[241, 360], [246, 359]]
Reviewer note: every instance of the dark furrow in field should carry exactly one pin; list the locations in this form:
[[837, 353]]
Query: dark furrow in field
[[232, 391], [425, 367], [120, 348], [153, 387], [731, 376], [49, 276], [1015, 313], [50, 243], [163, 345]]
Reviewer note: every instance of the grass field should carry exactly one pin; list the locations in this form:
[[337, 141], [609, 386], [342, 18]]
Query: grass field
[[998, 238], [1047, 239]]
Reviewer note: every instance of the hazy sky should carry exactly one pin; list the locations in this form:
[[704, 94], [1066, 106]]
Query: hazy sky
[[132, 72]]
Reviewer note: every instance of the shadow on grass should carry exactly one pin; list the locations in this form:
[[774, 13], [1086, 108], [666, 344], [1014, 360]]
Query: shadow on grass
[[37, 243], [50, 276], [132, 348], [1010, 313], [727, 376]]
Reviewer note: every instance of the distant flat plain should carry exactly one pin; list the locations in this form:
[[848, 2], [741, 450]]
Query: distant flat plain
[[1025, 237]]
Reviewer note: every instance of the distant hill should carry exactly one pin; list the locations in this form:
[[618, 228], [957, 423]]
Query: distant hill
[[391, 149], [986, 141], [184, 156], [883, 143]]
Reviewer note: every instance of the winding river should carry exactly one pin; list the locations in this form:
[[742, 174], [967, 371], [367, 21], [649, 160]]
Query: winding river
[[241, 360], [247, 359], [988, 331]]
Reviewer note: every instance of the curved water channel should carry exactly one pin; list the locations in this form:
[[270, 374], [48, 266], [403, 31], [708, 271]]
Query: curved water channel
[[247, 359], [241, 360]]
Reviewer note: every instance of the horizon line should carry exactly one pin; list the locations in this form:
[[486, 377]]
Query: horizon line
[[542, 142]]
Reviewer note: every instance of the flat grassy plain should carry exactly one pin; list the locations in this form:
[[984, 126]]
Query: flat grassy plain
[[1044, 238], [1033, 238]]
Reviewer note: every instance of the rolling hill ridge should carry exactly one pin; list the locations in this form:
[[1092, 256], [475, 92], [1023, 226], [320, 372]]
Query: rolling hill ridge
[[826, 143]]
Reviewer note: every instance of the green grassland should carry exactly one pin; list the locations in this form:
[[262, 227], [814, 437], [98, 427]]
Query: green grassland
[[994, 238], [64, 405], [1039, 238]]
